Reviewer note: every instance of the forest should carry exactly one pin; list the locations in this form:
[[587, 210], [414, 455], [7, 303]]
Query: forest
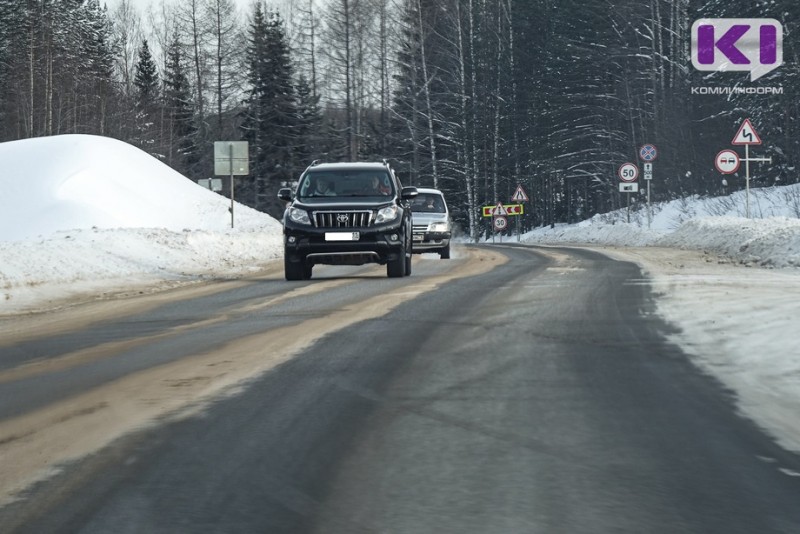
[[473, 97]]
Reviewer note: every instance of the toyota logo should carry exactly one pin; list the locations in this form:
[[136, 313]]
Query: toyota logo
[[343, 218]]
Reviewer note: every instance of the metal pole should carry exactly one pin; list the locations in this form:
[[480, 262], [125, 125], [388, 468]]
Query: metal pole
[[747, 178], [628, 194], [230, 154], [649, 214]]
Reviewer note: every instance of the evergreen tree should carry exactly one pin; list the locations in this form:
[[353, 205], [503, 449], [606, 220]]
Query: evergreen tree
[[270, 115], [147, 84], [178, 104], [309, 134], [146, 77]]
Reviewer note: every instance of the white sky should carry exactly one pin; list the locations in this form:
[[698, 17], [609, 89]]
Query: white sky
[[86, 215], [244, 6]]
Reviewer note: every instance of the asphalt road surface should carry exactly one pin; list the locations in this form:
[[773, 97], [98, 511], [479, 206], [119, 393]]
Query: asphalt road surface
[[508, 390]]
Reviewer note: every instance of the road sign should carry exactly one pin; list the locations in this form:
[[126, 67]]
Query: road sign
[[647, 175], [499, 210], [648, 152], [727, 161], [746, 135], [628, 172], [628, 187], [519, 195], [511, 209], [500, 223], [648, 167], [214, 184], [231, 158]]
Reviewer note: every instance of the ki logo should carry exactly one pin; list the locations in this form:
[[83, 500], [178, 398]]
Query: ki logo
[[749, 45]]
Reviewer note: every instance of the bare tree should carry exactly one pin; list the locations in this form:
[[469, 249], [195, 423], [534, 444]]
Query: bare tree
[[222, 22], [127, 36]]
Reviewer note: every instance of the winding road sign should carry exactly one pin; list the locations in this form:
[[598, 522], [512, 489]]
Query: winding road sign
[[746, 135]]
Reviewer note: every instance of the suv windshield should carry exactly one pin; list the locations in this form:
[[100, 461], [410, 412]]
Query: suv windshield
[[345, 183]]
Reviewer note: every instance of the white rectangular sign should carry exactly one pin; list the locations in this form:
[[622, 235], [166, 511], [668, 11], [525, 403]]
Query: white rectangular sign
[[628, 187], [214, 184], [226, 152]]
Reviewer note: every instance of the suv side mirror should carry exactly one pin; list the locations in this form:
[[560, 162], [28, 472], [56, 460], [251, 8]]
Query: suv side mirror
[[285, 194], [408, 193]]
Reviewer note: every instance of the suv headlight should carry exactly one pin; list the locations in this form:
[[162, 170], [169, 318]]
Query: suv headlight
[[438, 227], [299, 216], [387, 214]]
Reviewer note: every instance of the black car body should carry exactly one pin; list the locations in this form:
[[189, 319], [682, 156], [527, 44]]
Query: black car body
[[347, 214]]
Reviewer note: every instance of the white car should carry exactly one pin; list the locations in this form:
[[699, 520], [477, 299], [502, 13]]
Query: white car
[[431, 223]]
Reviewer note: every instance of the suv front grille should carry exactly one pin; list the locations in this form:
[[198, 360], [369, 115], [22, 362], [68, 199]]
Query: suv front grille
[[342, 219], [420, 228]]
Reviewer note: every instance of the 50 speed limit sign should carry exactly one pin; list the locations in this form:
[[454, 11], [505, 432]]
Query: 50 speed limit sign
[[628, 172]]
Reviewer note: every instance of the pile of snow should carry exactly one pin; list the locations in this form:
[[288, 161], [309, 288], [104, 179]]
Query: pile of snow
[[715, 225], [84, 213]]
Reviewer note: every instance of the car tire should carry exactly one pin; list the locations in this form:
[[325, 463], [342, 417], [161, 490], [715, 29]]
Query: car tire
[[294, 270], [397, 268], [444, 254]]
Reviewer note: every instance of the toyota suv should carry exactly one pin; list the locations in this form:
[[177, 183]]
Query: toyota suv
[[347, 214], [431, 223]]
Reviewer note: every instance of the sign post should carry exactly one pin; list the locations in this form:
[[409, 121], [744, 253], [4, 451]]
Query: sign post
[[231, 158], [746, 136], [648, 153], [519, 196], [628, 174]]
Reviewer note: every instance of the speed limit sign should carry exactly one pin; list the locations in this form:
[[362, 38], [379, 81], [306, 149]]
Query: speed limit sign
[[628, 172], [500, 223]]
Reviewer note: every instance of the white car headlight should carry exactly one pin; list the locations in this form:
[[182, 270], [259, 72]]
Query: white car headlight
[[438, 227], [299, 216], [387, 214]]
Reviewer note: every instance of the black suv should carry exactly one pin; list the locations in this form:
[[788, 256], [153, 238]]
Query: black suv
[[347, 214]]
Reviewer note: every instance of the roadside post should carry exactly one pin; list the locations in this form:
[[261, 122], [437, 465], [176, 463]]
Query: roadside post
[[628, 173], [648, 153], [499, 220], [231, 159], [746, 135]]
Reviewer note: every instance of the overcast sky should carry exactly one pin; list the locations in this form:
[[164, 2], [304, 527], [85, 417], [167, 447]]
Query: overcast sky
[[243, 5]]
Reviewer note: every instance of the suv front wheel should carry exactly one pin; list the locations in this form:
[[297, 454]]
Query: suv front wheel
[[396, 268], [296, 270]]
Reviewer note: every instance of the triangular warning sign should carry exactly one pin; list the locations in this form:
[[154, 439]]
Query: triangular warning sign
[[519, 195], [746, 135], [499, 210]]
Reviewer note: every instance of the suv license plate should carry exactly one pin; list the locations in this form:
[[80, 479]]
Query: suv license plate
[[342, 236]]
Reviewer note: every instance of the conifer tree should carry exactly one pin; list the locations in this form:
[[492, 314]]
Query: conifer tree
[[270, 115], [147, 84], [181, 131]]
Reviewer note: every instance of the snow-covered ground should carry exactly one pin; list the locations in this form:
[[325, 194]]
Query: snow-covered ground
[[89, 215], [82, 214]]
